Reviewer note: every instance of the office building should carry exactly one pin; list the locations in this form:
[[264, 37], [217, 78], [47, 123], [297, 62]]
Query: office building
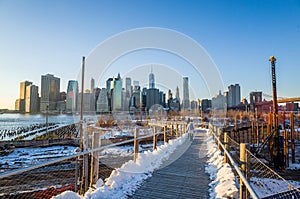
[[116, 98], [186, 98], [32, 99], [50, 92], [151, 80], [102, 102], [234, 95], [22, 103], [72, 96]]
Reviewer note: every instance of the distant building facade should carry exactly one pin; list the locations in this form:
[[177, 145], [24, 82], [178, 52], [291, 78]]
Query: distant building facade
[[72, 96], [50, 92], [234, 95], [22, 101], [32, 99], [186, 98]]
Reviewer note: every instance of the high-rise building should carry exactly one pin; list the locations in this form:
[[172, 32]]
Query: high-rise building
[[151, 80], [116, 93], [50, 92], [93, 97], [205, 105], [72, 96], [219, 102], [32, 99], [177, 94], [127, 94], [102, 102], [152, 97], [22, 103], [234, 95], [92, 85], [186, 98]]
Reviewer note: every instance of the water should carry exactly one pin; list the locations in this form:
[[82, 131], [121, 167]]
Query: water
[[12, 121]]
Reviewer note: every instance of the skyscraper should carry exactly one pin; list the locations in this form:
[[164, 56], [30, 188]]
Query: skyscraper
[[93, 97], [32, 99], [22, 103], [177, 94], [234, 95], [50, 92], [117, 93], [92, 85], [72, 96], [102, 102], [151, 80], [186, 98], [127, 94]]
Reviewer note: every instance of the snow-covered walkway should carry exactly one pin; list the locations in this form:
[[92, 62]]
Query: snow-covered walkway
[[182, 176]]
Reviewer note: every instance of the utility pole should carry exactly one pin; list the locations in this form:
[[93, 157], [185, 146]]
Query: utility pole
[[81, 176], [276, 149]]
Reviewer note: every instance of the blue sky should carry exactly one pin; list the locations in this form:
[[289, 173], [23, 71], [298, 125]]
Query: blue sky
[[40, 37]]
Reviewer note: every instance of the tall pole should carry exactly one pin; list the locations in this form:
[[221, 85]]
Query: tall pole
[[80, 160], [276, 144]]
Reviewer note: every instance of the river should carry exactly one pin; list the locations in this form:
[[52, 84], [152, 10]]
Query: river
[[13, 121]]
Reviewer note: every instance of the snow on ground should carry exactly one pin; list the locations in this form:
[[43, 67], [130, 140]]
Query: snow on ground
[[25, 157], [223, 183], [125, 180], [269, 186]]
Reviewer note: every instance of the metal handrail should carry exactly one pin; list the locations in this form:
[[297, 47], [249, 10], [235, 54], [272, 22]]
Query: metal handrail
[[236, 167], [18, 171]]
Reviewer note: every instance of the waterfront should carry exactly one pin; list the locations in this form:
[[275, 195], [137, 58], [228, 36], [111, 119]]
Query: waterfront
[[12, 121]]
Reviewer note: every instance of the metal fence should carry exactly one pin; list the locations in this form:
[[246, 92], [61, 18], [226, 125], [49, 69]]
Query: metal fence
[[51, 178], [263, 181]]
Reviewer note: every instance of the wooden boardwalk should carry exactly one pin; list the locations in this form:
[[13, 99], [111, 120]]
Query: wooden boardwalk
[[183, 176]]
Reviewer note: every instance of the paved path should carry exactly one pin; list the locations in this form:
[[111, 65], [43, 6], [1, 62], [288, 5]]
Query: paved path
[[183, 176]]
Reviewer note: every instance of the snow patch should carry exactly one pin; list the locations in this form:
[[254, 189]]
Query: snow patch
[[128, 178], [223, 183]]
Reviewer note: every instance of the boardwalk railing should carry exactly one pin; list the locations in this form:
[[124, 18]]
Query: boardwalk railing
[[48, 179], [260, 180]]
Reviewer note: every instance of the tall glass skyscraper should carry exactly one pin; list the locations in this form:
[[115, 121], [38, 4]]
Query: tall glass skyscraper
[[151, 80], [72, 95], [186, 98]]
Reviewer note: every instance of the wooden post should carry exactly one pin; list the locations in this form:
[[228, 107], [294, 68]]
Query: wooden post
[[286, 148], [262, 133], [176, 130], [257, 135], [136, 144], [95, 159], [165, 134], [243, 158], [226, 147], [154, 139], [219, 137], [292, 127]]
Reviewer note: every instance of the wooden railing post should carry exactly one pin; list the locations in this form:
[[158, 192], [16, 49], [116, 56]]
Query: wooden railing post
[[286, 148], [165, 134], [292, 127], [219, 137], [243, 158], [154, 139], [226, 147], [136, 144], [95, 159]]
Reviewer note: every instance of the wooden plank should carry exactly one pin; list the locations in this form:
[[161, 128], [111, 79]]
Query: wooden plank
[[183, 178]]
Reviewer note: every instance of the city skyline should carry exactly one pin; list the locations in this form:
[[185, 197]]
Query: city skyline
[[239, 37]]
